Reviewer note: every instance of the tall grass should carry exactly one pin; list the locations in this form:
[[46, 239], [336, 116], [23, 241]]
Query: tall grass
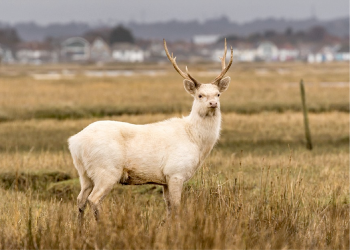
[[276, 211], [259, 189]]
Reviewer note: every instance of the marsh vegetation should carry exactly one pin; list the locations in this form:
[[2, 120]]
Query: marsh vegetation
[[259, 189]]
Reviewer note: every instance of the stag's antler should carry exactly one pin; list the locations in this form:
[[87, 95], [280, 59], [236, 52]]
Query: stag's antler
[[223, 68], [172, 59], [188, 76]]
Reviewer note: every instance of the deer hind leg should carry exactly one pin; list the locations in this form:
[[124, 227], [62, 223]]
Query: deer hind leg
[[85, 184], [103, 185], [86, 188]]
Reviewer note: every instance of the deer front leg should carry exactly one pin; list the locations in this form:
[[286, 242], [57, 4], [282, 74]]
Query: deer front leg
[[167, 199], [172, 194]]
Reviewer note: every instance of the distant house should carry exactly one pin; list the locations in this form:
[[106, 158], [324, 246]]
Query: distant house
[[342, 54], [126, 52], [100, 51], [328, 53], [325, 54], [288, 52], [35, 53], [267, 51], [153, 51], [246, 52], [75, 49], [314, 58], [246, 55], [242, 52], [6, 55]]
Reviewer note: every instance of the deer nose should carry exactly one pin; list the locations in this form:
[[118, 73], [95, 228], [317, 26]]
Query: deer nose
[[213, 104]]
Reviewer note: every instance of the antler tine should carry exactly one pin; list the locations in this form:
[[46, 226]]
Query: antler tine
[[224, 69], [223, 59], [192, 79], [173, 61]]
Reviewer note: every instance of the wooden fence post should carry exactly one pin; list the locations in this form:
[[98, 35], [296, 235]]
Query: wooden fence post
[[306, 119]]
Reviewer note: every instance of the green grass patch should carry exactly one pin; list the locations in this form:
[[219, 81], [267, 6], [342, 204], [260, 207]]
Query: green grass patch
[[38, 180]]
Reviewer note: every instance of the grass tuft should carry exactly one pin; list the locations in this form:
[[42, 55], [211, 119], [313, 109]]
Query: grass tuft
[[38, 180]]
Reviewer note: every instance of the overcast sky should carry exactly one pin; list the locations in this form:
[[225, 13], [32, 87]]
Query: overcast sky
[[92, 11]]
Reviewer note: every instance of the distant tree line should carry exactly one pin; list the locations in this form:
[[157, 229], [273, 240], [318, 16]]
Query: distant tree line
[[9, 37], [118, 34], [316, 34]]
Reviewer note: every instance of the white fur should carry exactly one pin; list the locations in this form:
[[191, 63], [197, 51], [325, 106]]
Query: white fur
[[167, 153]]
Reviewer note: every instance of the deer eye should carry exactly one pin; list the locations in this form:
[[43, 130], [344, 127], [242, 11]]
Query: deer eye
[[218, 94], [200, 96]]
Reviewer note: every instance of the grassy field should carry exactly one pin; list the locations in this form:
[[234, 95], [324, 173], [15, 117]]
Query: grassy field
[[259, 189], [254, 89]]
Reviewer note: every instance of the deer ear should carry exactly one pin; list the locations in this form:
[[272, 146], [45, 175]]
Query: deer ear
[[223, 84], [190, 86]]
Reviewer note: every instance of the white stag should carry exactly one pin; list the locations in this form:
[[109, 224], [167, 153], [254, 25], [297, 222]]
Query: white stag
[[166, 153]]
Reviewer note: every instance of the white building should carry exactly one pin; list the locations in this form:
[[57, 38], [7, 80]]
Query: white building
[[246, 55], [326, 54], [267, 51], [245, 52], [75, 49], [342, 53], [6, 55], [100, 51], [240, 54], [288, 53], [126, 52], [35, 53]]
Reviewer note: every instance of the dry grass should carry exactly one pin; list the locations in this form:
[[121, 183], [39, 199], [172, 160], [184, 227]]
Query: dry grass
[[253, 90], [253, 203], [240, 132], [259, 189]]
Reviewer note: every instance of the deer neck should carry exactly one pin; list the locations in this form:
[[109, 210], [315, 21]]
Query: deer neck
[[204, 129]]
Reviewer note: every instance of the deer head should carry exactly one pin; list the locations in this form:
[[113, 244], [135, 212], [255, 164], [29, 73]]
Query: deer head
[[206, 95]]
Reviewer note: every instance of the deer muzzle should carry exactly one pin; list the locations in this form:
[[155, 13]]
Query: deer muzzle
[[213, 104]]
